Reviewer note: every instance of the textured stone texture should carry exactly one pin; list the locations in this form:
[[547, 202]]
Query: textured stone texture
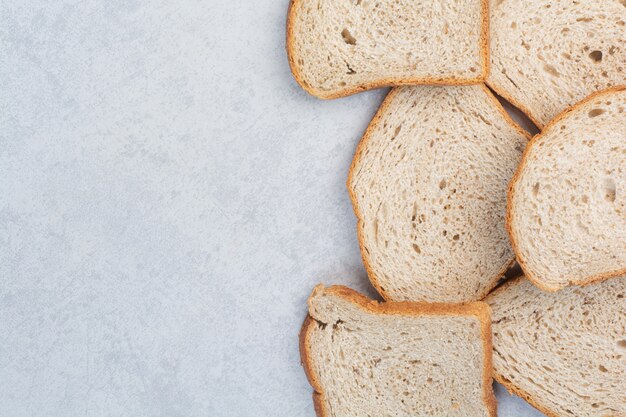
[[168, 198]]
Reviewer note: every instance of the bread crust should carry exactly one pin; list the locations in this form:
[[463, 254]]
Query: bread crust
[[510, 194], [522, 394], [505, 382], [391, 81], [477, 309], [514, 102], [357, 211]]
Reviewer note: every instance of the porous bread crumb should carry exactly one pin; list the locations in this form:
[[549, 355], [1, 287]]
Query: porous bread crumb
[[341, 47], [428, 184]]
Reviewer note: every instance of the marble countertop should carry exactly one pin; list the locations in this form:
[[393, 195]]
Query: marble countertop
[[168, 199]]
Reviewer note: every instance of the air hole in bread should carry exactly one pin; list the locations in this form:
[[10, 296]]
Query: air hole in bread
[[535, 189], [602, 368], [596, 56], [395, 133], [595, 112], [551, 70], [417, 249], [609, 190], [442, 184], [622, 344], [347, 37]]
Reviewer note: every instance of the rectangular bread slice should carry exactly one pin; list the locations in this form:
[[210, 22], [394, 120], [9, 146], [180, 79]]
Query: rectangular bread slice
[[428, 183], [564, 352], [547, 55], [340, 47], [364, 358]]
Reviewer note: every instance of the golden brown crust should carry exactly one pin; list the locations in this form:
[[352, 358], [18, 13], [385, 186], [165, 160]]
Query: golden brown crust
[[304, 351], [355, 206], [357, 211], [477, 309], [509, 212], [387, 82], [522, 394], [501, 379], [306, 365], [514, 102], [318, 405], [506, 115]]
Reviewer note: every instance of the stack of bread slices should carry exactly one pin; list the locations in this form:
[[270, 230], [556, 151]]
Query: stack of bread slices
[[450, 193]]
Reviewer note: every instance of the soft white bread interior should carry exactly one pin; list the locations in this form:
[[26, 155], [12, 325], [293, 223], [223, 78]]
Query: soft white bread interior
[[564, 352], [567, 203], [547, 55], [397, 359], [429, 183], [340, 47]]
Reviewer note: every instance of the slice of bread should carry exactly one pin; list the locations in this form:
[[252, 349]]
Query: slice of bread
[[365, 358], [341, 47], [563, 352], [428, 184], [547, 55], [567, 202]]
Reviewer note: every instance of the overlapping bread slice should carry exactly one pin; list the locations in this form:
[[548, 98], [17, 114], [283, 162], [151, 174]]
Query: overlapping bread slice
[[365, 358], [567, 203], [547, 55], [564, 352], [340, 47], [428, 184]]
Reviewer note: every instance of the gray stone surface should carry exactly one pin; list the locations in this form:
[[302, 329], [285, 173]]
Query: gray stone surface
[[168, 198]]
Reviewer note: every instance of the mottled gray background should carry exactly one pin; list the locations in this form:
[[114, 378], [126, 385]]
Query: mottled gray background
[[168, 198]]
